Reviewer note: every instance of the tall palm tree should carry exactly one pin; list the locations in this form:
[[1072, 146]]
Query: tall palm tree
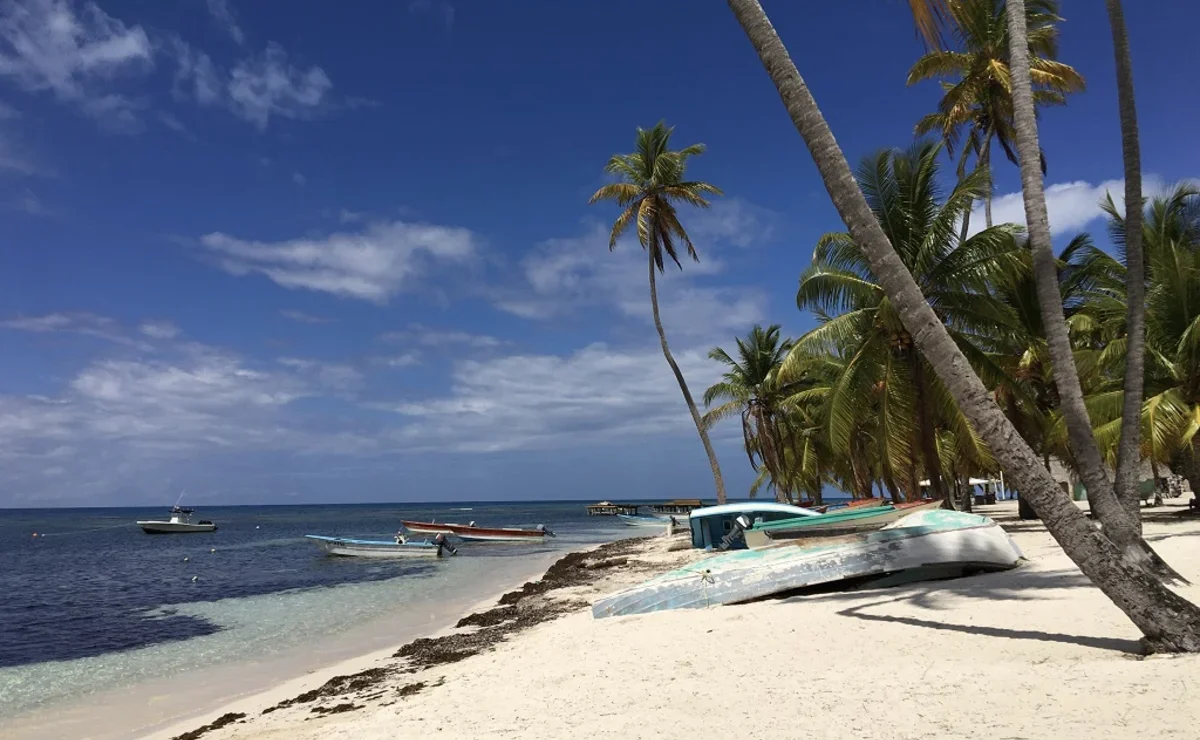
[[652, 184], [954, 276], [977, 96], [1088, 460], [1128, 453], [750, 389], [1168, 621]]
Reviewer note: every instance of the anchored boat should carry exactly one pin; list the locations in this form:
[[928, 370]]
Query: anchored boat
[[471, 533], [179, 523], [926, 545], [658, 522], [401, 547]]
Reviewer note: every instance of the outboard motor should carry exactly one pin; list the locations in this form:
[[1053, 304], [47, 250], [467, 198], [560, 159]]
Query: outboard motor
[[545, 529], [445, 544], [740, 525], [401, 537]]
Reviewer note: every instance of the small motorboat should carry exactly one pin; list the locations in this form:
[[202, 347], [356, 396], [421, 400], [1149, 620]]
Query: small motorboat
[[400, 547], [179, 523], [837, 522], [927, 545], [471, 533], [640, 520]]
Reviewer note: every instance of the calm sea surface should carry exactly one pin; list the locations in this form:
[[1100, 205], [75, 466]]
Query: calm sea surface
[[94, 603]]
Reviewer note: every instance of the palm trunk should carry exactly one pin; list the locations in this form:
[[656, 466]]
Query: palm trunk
[[928, 441], [1103, 501], [1129, 449], [1169, 622], [986, 163], [718, 481]]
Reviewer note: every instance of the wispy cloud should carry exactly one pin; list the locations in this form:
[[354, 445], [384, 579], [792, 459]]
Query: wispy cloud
[[547, 401], [371, 265], [46, 46], [29, 204], [1071, 205], [173, 123], [439, 9], [223, 14], [564, 276], [256, 89], [159, 329], [86, 324], [299, 178], [304, 318], [431, 337], [408, 359]]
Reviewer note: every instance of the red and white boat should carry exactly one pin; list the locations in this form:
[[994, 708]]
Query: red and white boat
[[471, 533]]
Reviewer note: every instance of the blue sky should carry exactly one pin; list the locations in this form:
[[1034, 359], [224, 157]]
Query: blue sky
[[344, 252]]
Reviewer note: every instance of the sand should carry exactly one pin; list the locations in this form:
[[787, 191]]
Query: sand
[[1036, 652]]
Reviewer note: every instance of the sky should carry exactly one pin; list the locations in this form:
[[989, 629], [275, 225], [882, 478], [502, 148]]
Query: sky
[[344, 253]]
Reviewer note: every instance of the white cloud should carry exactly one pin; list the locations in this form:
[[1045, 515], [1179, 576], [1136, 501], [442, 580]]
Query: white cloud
[[159, 329], [46, 46], [304, 318], [370, 265], [407, 359], [574, 274], [15, 158], [223, 14], [347, 216], [87, 324], [437, 8], [733, 220], [173, 123], [532, 401], [269, 85], [298, 178], [28, 203], [432, 337], [329, 375], [196, 76], [1071, 206]]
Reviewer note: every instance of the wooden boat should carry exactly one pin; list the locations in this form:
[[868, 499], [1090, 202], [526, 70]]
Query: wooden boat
[[836, 522], [658, 522], [179, 523], [718, 527], [926, 545], [471, 533], [400, 547]]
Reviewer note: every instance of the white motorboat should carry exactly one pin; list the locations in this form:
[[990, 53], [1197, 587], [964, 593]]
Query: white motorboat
[[179, 523], [401, 547]]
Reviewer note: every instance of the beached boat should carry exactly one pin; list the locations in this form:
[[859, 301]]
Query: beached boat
[[179, 523], [471, 533], [720, 527], [926, 545], [658, 522], [836, 522], [401, 547]]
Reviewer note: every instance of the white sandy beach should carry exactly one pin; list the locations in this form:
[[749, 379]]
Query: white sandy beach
[[1032, 653]]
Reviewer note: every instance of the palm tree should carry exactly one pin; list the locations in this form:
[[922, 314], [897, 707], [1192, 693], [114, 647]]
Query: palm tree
[[749, 388], [652, 183], [1128, 454], [1168, 621], [976, 80], [1088, 459], [1171, 238], [858, 318]]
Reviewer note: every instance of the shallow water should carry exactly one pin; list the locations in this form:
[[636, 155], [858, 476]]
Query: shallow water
[[93, 604]]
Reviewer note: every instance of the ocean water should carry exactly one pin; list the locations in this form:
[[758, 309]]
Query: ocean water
[[92, 603]]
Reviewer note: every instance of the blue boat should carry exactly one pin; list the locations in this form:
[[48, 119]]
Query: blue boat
[[718, 527]]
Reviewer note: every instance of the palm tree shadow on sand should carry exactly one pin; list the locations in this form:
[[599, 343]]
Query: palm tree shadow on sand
[[1019, 584]]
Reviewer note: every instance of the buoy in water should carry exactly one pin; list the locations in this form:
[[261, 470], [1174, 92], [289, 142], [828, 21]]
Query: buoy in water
[[35, 534], [185, 559], [213, 550], [256, 526], [195, 578]]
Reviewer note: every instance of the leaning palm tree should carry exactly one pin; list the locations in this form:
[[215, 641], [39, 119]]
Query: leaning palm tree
[[977, 97], [652, 184], [749, 388], [1118, 526], [858, 318], [1128, 453], [1169, 622]]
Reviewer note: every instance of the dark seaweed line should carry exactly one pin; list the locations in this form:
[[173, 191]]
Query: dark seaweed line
[[516, 612]]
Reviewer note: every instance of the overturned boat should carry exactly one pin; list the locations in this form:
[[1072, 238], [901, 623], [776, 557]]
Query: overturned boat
[[927, 545], [837, 522]]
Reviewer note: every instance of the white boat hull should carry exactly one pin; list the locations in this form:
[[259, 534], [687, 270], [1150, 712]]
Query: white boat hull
[[933, 544], [175, 527], [468, 533], [370, 549], [645, 521]]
